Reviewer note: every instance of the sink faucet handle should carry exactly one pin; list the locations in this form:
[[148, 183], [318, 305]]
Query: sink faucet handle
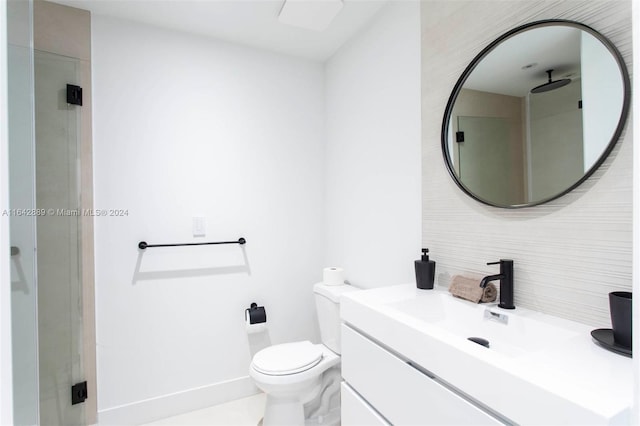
[[502, 262]]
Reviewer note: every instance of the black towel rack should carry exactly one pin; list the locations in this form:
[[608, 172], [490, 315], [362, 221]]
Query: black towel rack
[[144, 245]]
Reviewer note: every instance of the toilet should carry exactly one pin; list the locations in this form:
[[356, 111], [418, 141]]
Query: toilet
[[302, 380]]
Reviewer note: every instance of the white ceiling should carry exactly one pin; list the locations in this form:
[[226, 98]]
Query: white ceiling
[[247, 22], [551, 47]]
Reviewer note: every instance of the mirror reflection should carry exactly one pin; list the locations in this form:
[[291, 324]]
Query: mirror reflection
[[535, 114]]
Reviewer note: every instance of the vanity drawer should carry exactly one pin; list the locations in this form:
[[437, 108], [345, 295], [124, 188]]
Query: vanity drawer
[[355, 411], [400, 392]]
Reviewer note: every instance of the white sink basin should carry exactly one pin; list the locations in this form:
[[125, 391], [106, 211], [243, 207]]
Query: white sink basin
[[533, 357], [509, 332]]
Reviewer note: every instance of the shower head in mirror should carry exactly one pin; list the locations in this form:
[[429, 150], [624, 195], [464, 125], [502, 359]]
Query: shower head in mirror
[[550, 85]]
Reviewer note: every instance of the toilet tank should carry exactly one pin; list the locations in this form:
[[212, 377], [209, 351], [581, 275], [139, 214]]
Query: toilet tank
[[328, 310]]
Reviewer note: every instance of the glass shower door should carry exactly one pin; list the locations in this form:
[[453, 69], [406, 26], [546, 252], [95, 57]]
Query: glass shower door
[[60, 333], [44, 220], [46, 295]]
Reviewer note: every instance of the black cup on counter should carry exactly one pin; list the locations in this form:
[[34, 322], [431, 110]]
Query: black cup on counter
[[620, 308]]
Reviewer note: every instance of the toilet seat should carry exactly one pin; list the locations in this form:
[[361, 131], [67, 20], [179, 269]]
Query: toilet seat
[[287, 358]]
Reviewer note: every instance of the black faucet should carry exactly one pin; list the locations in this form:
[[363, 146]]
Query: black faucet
[[506, 282]]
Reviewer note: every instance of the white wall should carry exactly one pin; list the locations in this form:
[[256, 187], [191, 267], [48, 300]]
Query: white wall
[[569, 253], [187, 126], [373, 150], [602, 97]]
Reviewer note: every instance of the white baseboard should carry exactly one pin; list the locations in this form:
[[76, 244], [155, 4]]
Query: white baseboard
[[160, 407]]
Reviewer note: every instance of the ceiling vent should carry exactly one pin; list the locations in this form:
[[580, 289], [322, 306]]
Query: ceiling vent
[[315, 15]]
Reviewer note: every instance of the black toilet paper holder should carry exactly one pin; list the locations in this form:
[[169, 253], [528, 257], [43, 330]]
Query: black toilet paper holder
[[255, 314]]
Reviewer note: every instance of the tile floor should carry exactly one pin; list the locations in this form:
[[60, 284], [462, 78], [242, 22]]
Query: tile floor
[[241, 412]]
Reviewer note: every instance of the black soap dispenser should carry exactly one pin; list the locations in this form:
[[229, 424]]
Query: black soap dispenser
[[425, 271]]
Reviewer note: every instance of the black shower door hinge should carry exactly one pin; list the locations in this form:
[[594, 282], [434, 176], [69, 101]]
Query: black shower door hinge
[[74, 95], [78, 393], [459, 137]]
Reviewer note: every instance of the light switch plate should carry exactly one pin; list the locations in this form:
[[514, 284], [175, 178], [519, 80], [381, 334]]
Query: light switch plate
[[199, 226]]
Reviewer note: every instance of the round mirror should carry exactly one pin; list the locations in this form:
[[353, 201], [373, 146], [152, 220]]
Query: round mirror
[[535, 114]]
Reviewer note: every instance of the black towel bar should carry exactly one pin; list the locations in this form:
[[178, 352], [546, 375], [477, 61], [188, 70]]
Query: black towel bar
[[143, 244]]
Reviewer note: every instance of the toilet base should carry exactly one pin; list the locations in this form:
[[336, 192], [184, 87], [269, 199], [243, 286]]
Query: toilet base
[[285, 413], [282, 412], [332, 418]]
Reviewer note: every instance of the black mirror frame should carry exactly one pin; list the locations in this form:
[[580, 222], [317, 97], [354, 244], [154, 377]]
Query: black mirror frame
[[458, 86]]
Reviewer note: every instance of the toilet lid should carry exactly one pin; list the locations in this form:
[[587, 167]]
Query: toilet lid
[[287, 358]]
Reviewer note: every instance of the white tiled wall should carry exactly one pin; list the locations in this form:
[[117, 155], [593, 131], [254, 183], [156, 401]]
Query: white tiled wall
[[568, 253]]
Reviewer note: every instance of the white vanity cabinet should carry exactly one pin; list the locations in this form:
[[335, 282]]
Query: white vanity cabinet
[[407, 360], [356, 411], [382, 388]]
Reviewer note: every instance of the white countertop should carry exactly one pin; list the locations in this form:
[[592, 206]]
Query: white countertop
[[571, 380]]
